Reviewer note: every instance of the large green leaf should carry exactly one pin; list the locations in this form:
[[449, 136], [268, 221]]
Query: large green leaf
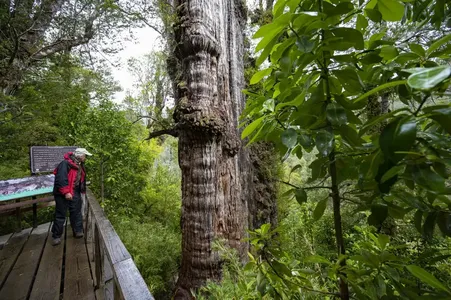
[[398, 136], [417, 220], [374, 15], [392, 172], [301, 196], [349, 80], [258, 76], [336, 114], [305, 44], [391, 10], [251, 127], [348, 37], [362, 23], [444, 223], [342, 8], [289, 138], [324, 142], [350, 136], [306, 142], [376, 120], [427, 278], [379, 213], [442, 116], [425, 177], [436, 45], [428, 78], [388, 52], [418, 49], [379, 88], [319, 209]]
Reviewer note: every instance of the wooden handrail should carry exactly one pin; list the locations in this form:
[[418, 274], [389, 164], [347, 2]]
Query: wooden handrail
[[115, 274]]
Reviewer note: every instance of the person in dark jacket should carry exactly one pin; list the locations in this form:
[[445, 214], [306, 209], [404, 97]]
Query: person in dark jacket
[[70, 184]]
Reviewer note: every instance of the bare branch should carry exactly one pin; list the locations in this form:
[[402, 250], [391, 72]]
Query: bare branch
[[171, 131]]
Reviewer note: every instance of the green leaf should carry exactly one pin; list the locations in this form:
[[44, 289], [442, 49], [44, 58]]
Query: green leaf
[[348, 104], [404, 58], [258, 76], [304, 44], [425, 177], [317, 259], [306, 142], [379, 88], [362, 23], [379, 119], [418, 49], [350, 37], [336, 114], [397, 136], [301, 196], [429, 78], [444, 223], [349, 80], [374, 15], [417, 220], [392, 172], [427, 277], [379, 213], [391, 10], [383, 240], [443, 41], [442, 116], [289, 138], [350, 136], [388, 52], [320, 209], [251, 127], [341, 9], [429, 225], [324, 142]]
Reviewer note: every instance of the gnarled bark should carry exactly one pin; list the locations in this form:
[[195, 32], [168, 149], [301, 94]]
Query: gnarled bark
[[214, 166]]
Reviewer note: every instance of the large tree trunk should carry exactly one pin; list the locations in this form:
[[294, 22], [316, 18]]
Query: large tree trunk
[[214, 166]]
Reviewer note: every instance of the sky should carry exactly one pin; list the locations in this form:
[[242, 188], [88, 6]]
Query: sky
[[146, 40]]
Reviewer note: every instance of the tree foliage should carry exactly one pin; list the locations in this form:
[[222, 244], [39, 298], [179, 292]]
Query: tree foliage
[[326, 60]]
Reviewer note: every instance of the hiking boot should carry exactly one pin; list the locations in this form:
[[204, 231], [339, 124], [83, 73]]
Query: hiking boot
[[79, 235], [56, 241]]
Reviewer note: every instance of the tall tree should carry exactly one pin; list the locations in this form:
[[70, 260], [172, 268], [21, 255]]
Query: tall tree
[[208, 75]]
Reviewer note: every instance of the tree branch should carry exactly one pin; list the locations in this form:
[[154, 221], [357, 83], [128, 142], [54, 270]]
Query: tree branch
[[171, 131]]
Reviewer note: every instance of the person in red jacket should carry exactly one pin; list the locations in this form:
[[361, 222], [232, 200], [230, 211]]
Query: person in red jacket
[[70, 184]]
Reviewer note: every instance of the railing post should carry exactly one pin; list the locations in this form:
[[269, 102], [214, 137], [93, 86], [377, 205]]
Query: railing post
[[97, 257], [35, 213]]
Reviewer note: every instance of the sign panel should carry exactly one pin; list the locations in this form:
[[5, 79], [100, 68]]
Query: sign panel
[[46, 158], [25, 187]]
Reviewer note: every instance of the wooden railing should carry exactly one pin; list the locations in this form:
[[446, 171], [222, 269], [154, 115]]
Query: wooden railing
[[115, 274]]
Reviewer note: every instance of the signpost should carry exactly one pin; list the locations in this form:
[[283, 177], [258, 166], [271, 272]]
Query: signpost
[[45, 158]]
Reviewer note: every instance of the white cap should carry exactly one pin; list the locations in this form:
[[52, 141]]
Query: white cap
[[82, 151]]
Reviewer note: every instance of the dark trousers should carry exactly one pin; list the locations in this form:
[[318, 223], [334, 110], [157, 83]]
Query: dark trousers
[[61, 206]]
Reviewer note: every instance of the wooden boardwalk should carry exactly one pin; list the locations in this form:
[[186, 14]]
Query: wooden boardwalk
[[31, 268]]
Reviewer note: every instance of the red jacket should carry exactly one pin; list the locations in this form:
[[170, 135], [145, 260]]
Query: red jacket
[[65, 175]]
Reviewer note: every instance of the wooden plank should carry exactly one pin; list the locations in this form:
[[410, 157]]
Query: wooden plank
[[77, 279], [115, 249], [17, 205], [27, 209], [20, 280], [130, 282], [10, 253], [48, 277], [107, 278], [4, 239]]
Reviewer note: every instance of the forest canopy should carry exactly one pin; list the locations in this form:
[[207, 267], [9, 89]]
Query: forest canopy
[[290, 149]]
